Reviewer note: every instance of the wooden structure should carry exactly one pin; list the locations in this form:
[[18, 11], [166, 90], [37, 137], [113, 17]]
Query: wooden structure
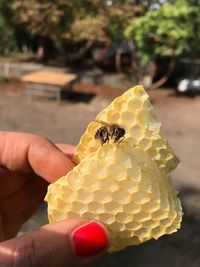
[[48, 83]]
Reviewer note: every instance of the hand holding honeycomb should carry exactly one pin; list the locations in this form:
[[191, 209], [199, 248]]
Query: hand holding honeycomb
[[125, 185]]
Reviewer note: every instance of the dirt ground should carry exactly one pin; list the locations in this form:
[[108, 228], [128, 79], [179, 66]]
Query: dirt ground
[[66, 121]]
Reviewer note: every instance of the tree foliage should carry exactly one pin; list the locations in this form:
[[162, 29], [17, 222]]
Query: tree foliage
[[45, 18], [170, 29], [7, 36], [78, 19]]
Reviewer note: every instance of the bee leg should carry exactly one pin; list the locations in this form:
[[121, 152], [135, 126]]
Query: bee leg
[[121, 139]]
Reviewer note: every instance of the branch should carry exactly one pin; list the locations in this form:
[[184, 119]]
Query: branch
[[165, 78]]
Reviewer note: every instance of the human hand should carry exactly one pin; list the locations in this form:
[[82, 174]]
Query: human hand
[[28, 163]]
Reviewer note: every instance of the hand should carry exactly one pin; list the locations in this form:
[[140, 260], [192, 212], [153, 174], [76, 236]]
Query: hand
[[28, 163]]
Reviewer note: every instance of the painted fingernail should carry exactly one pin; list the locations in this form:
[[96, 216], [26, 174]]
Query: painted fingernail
[[89, 239]]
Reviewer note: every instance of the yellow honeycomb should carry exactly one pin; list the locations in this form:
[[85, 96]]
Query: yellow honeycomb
[[133, 112], [124, 189], [125, 185]]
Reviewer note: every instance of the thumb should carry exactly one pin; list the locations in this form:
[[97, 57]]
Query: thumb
[[75, 242]]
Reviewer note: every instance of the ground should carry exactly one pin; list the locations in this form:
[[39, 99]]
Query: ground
[[65, 122]]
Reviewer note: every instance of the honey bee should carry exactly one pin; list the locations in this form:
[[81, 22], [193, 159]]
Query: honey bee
[[109, 131]]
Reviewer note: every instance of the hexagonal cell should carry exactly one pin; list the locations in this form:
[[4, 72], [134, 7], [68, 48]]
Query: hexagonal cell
[[57, 213], [149, 134], [95, 207], [56, 188], [106, 154], [157, 142], [150, 206], [134, 104], [97, 168], [126, 234], [147, 104], [113, 207], [164, 204], [150, 223], [172, 162], [172, 214], [159, 214], [163, 152], [157, 232], [140, 197], [133, 225], [155, 194], [78, 207], [123, 217], [84, 196], [152, 152], [128, 117], [172, 228], [85, 140], [140, 93], [91, 129], [142, 115], [90, 215], [72, 214], [90, 182], [50, 197], [178, 217], [117, 227], [88, 141], [131, 208], [165, 222], [141, 216], [115, 171], [142, 232], [145, 183], [129, 186], [74, 180], [61, 203], [120, 105], [102, 196], [113, 116], [136, 132], [82, 168], [108, 184], [123, 158], [67, 194], [134, 173], [144, 143], [106, 218], [121, 196]]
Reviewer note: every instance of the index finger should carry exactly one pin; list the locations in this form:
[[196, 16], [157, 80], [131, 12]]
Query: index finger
[[31, 153]]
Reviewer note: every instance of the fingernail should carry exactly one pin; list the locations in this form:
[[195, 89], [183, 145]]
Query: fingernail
[[89, 239]]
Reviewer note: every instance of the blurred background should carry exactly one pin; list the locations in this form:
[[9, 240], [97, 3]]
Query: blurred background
[[62, 61]]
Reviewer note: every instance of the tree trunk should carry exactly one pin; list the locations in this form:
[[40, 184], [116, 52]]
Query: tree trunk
[[169, 71]]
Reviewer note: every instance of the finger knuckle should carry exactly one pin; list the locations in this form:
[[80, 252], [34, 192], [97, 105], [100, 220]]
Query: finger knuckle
[[24, 253]]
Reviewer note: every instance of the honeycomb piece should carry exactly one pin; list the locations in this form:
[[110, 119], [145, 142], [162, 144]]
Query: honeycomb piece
[[133, 112], [124, 189]]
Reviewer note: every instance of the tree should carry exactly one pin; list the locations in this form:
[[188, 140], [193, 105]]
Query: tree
[[61, 21], [7, 36], [167, 31], [47, 20]]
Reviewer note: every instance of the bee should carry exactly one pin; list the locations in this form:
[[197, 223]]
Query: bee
[[109, 131]]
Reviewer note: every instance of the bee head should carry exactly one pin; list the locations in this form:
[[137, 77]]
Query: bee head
[[119, 132]]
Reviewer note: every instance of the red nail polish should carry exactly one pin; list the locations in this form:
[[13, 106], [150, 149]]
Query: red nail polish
[[89, 239]]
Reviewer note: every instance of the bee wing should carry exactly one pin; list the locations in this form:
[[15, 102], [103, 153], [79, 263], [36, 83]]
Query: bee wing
[[102, 122]]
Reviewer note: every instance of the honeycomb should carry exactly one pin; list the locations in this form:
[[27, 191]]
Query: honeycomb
[[125, 185], [124, 189], [133, 112]]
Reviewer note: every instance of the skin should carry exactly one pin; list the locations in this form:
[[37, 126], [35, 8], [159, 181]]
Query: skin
[[28, 163]]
